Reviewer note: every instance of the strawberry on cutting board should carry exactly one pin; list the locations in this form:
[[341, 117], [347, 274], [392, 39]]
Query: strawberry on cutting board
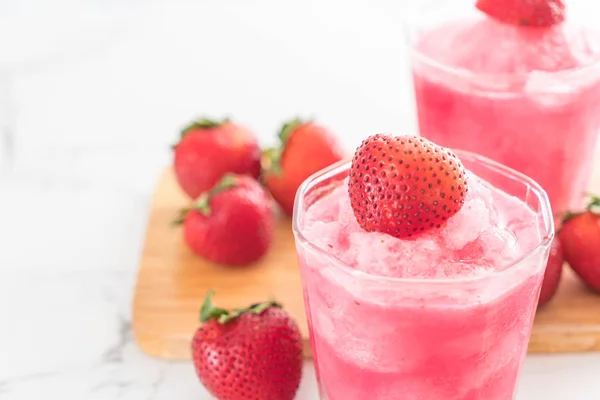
[[253, 353], [534, 13], [232, 223], [553, 273], [305, 147], [403, 185], [208, 149], [580, 240]]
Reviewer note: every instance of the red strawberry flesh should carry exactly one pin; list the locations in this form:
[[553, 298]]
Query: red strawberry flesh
[[553, 273], [232, 223], [305, 147], [404, 185], [209, 149]]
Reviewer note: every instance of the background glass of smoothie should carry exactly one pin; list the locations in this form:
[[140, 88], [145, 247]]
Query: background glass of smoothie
[[446, 315], [527, 97]]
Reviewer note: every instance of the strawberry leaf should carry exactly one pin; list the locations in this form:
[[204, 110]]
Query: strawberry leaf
[[288, 128], [209, 311], [271, 161], [594, 201], [228, 181], [259, 308], [203, 203], [203, 123], [200, 124], [271, 157], [181, 217]]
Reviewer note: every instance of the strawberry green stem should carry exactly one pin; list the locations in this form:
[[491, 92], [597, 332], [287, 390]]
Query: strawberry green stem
[[199, 124], [594, 201], [288, 128], [202, 204], [271, 161], [210, 312], [271, 157], [203, 123], [180, 217]]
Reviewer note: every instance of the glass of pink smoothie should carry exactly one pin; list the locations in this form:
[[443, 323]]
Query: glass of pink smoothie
[[445, 315], [527, 97]]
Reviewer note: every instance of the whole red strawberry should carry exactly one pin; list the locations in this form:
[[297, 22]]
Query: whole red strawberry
[[232, 223], [553, 273], [305, 148], [535, 13], [208, 149], [580, 239], [253, 353], [403, 185]]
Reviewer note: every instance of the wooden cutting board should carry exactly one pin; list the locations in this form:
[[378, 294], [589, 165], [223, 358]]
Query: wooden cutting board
[[172, 283]]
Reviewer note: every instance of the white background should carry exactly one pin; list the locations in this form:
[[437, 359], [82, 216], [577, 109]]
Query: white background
[[94, 122]]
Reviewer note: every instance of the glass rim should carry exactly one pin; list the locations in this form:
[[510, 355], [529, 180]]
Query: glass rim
[[335, 169], [407, 23]]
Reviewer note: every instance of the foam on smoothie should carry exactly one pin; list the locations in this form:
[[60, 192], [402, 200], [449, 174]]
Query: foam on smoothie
[[484, 236]]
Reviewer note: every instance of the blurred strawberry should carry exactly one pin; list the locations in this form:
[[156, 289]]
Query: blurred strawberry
[[253, 353], [208, 149], [535, 13], [580, 239], [553, 273], [305, 148], [232, 223]]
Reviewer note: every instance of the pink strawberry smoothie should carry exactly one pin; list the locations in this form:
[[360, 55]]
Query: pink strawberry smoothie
[[444, 316], [526, 97]]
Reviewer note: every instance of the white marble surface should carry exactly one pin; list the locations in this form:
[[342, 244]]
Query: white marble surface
[[93, 134]]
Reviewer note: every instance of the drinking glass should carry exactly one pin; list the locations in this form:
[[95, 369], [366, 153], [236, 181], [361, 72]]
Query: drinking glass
[[525, 111], [376, 338]]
